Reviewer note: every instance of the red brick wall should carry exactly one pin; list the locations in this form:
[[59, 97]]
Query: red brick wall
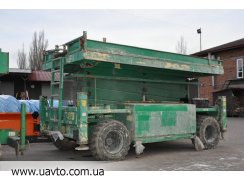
[[229, 63]]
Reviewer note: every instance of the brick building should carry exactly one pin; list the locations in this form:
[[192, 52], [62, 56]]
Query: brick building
[[232, 55]]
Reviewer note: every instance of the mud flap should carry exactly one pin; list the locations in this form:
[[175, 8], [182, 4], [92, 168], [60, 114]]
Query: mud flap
[[60, 142], [55, 135], [198, 144]]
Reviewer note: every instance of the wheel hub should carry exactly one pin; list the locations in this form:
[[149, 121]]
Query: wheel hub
[[113, 142], [109, 141], [210, 133]]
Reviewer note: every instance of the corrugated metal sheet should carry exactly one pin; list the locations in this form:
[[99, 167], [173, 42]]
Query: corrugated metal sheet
[[42, 76]]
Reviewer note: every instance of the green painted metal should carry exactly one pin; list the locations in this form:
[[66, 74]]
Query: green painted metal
[[12, 139], [4, 62], [161, 107], [52, 89], [82, 117], [163, 121], [106, 91], [52, 120], [4, 134], [43, 118], [82, 50], [206, 110], [139, 87], [218, 111], [132, 79], [53, 83], [60, 93], [108, 111], [70, 116], [160, 138], [22, 125], [222, 113]]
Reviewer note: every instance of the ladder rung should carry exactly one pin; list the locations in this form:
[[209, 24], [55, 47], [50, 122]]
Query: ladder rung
[[53, 107], [55, 59], [54, 71], [55, 95], [56, 108], [55, 83]]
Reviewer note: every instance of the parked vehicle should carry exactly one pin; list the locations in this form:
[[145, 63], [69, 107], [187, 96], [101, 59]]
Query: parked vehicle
[[121, 95]]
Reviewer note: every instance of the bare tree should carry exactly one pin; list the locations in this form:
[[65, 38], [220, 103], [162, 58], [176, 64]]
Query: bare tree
[[38, 45], [22, 58], [181, 46]]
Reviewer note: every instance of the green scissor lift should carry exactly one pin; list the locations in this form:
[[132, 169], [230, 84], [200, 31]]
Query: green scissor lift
[[120, 95]]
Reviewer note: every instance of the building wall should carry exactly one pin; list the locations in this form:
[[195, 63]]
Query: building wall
[[193, 91], [229, 63], [241, 96], [7, 88], [34, 89], [46, 89], [19, 84], [13, 83]]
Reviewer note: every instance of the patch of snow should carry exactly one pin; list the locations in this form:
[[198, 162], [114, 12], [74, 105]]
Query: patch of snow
[[232, 158], [200, 165]]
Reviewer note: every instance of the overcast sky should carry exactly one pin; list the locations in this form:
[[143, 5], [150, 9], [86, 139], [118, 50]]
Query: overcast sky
[[155, 29]]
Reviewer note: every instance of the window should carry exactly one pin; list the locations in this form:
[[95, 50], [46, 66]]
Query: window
[[239, 68]]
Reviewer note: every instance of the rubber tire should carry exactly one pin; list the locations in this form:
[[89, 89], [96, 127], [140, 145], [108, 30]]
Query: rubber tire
[[65, 144], [97, 140], [204, 122]]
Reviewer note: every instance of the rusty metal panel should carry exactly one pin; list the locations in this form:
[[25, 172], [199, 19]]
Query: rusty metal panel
[[82, 50], [160, 122]]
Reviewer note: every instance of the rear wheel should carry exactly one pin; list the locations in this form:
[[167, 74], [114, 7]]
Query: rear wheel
[[110, 140], [208, 131]]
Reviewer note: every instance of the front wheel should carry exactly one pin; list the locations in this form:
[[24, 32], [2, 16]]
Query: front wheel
[[208, 131], [110, 140]]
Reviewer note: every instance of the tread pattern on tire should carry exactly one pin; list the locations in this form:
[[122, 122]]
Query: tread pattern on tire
[[202, 122], [96, 146]]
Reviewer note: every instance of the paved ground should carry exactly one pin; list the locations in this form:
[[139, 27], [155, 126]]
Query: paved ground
[[177, 155]]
